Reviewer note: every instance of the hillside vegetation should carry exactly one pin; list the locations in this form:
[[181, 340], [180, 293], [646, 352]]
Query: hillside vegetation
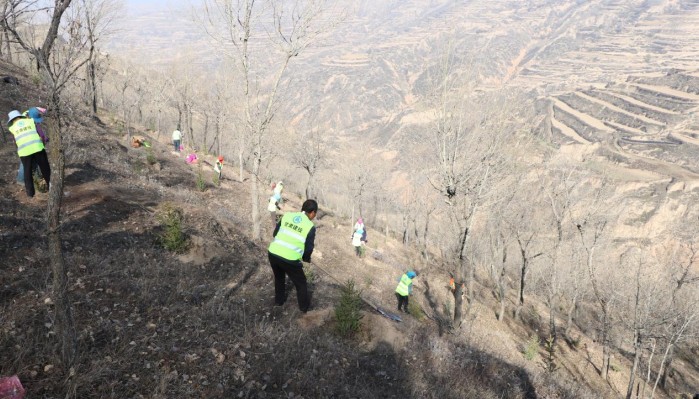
[[153, 323], [538, 155]]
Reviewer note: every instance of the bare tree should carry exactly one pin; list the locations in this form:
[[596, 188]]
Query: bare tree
[[294, 26], [559, 189], [98, 18], [591, 224], [310, 152], [56, 73]]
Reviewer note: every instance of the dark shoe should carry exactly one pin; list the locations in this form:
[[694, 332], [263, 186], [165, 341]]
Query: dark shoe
[[304, 311]]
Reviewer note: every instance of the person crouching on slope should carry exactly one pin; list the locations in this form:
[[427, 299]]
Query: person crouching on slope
[[293, 242], [30, 148], [404, 289]]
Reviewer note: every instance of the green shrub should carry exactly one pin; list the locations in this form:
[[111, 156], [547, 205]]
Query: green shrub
[[310, 275], [531, 348], [150, 156], [39, 182], [550, 359], [347, 315], [573, 342], [415, 310], [215, 180], [201, 183], [172, 237], [36, 79]]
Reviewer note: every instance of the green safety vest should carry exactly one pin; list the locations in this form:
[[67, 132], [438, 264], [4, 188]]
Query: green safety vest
[[290, 241], [403, 288], [26, 137]]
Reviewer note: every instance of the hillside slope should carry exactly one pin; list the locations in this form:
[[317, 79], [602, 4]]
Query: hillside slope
[[155, 324]]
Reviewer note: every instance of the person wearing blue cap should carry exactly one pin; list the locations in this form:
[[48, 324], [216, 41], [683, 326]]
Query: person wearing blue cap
[[404, 290], [30, 148]]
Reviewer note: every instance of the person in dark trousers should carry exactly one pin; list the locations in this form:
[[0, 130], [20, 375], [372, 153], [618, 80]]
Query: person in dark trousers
[[404, 289], [36, 114], [293, 242], [30, 148]]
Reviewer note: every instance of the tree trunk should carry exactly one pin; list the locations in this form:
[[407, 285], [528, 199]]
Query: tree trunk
[[425, 234], [240, 165], [553, 333], [604, 371], [571, 313], [606, 350], [663, 361], [501, 294], [255, 214], [469, 286], [190, 128], [9, 48], [668, 367], [634, 367], [308, 185], [204, 145], [458, 301], [65, 328], [648, 372]]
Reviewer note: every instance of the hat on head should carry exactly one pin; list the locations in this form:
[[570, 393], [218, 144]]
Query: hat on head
[[360, 220], [220, 158], [12, 115], [412, 274]]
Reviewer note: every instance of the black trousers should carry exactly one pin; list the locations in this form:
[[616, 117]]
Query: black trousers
[[28, 162], [282, 269], [402, 302]]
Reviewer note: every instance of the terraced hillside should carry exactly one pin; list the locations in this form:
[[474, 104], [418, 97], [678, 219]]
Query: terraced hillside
[[624, 74], [646, 122]]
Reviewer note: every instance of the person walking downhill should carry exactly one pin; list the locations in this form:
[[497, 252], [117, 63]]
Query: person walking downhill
[[404, 290], [177, 139], [294, 238], [30, 148]]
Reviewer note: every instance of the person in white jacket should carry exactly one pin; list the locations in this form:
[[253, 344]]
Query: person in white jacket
[[358, 243], [177, 139], [273, 208]]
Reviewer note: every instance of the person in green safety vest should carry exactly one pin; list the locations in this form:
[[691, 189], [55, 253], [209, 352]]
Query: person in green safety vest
[[30, 148], [404, 289], [293, 242]]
